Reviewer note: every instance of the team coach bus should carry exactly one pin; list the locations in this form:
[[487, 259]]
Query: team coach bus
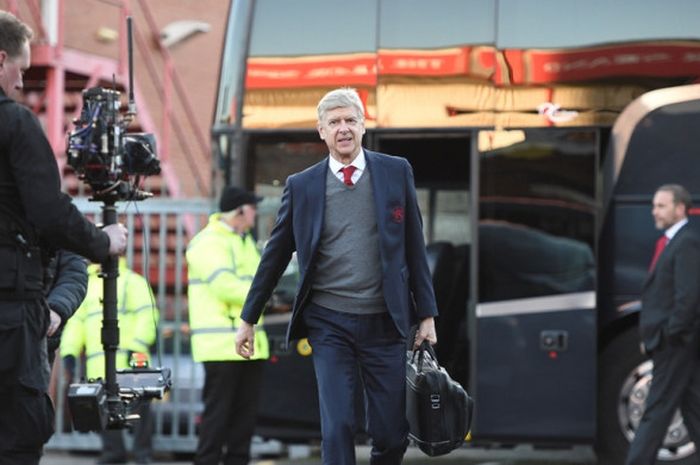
[[538, 133]]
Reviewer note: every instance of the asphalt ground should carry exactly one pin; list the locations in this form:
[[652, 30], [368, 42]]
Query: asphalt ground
[[301, 455]]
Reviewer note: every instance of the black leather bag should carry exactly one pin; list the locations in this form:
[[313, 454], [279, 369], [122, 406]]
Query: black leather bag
[[438, 409]]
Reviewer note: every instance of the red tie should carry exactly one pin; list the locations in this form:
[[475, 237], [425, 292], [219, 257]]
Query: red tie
[[660, 244], [347, 174]]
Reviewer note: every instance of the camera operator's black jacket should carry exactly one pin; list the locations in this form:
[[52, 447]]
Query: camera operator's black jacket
[[34, 213], [35, 218]]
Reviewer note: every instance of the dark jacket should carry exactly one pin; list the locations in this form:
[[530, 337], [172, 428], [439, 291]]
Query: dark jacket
[[33, 210], [66, 286], [406, 284], [671, 294]]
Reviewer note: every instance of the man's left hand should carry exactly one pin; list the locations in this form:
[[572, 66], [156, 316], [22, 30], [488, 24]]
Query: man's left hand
[[425, 332]]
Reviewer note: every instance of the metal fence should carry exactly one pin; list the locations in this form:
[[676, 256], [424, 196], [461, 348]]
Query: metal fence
[[159, 230]]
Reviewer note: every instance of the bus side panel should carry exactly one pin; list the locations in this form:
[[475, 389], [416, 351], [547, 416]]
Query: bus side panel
[[536, 376]]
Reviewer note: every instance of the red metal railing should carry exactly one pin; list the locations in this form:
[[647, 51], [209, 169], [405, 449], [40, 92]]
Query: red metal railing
[[173, 78], [189, 133]]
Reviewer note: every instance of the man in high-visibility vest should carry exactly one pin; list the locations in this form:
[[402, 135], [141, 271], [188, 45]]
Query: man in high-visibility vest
[[221, 262], [138, 318]]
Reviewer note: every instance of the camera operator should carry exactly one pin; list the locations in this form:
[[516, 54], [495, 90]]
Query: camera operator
[[34, 215]]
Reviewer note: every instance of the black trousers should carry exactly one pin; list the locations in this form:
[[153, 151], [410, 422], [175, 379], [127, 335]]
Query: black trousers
[[26, 423], [231, 392], [675, 383], [26, 415]]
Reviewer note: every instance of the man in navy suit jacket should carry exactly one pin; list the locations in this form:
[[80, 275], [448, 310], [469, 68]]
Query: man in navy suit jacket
[[354, 222], [670, 327]]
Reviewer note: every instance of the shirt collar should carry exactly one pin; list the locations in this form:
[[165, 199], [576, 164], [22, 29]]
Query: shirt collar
[[359, 162], [670, 232]]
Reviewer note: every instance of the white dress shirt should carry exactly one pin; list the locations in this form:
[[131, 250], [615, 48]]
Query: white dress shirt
[[670, 232], [359, 163]]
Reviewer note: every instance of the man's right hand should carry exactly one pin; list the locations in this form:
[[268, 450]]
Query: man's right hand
[[117, 238], [54, 323], [245, 340]]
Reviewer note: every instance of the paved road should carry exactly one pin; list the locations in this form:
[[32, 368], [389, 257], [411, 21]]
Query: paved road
[[305, 456]]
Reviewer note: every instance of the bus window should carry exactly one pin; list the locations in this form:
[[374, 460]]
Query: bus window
[[445, 215], [536, 213], [536, 282], [440, 162], [570, 23], [272, 161], [665, 136], [451, 218], [417, 24], [313, 27]]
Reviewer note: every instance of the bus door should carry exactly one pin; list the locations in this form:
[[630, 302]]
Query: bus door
[[533, 320], [440, 162]]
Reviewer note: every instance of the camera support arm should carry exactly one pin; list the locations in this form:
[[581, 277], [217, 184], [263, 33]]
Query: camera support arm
[[110, 322]]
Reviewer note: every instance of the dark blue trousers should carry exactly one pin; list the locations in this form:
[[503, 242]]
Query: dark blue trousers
[[352, 352]]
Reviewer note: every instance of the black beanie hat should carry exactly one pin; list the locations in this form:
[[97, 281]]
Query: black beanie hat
[[234, 197]]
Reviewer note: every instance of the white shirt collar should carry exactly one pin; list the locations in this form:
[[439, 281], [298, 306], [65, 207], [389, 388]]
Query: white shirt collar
[[359, 162], [670, 232]]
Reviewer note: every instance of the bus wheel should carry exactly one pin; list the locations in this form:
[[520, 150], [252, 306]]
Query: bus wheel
[[625, 375]]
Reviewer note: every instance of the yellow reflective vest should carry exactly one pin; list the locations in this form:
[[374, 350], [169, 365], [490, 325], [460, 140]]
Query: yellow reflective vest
[[137, 314], [220, 269]]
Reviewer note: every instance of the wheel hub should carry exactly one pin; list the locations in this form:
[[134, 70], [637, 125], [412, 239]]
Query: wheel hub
[[633, 395]]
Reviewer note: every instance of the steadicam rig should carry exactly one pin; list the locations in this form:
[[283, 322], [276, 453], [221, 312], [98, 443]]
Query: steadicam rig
[[112, 161]]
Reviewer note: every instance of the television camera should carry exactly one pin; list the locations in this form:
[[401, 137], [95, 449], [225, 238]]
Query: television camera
[[113, 162], [104, 154]]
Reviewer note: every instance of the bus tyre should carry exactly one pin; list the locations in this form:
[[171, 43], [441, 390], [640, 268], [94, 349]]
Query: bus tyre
[[624, 377]]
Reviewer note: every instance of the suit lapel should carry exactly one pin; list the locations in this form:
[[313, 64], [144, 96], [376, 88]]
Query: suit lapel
[[377, 172], [316, 200], [667, 252]]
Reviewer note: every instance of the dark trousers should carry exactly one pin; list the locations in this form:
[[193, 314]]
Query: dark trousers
[[675, 383], [113, 449], [26, 414], [26, 423], [349, 352], [231, 391]]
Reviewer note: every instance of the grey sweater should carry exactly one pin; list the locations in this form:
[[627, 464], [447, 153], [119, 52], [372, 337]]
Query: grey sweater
[[348, 276]]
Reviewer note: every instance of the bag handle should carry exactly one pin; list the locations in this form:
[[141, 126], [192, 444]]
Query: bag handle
[[420, 351]]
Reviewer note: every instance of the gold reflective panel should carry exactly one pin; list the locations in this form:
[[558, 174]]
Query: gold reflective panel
[[420, 64]]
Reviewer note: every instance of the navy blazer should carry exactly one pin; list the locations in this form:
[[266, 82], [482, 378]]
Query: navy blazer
[[671, 294], [407, 284]]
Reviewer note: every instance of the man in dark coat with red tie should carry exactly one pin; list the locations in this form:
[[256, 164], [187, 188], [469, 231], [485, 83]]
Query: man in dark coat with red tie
[[670, 326], [354, 223]]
